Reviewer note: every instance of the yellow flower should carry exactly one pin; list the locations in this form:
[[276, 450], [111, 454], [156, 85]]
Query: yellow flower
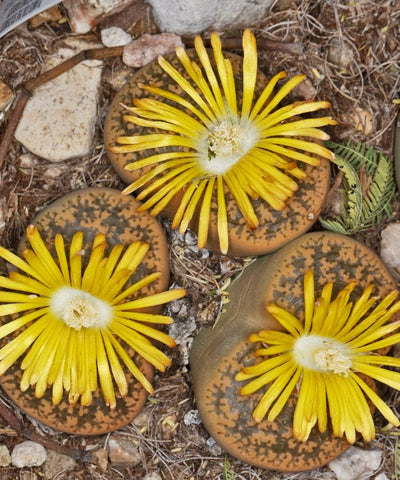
[[323, 357], [216, 143], [74, 316]]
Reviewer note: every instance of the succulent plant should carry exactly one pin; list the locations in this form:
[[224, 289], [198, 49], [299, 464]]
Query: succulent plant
[[69, 316], [295, 399], [322, 356], [213, 142]]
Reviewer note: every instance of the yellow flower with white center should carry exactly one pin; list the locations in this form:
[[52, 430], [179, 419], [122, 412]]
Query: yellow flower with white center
[[322, 359], [215, 143], [70, 317]]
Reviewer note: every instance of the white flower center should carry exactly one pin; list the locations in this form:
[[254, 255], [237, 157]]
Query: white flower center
[[80, 309], [322, 354], [225, 144]]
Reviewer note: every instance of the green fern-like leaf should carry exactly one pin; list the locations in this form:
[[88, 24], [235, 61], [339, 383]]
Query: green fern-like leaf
[[361, 213]]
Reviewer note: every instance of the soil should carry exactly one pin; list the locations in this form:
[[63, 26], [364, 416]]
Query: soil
[[351, 56]]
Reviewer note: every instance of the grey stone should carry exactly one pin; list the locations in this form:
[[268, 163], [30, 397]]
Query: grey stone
[[123, 452], [152, 476], [381, 476], [390, 247], [213, 447], [115, 37], [340, 54], [59, 120], [5, 457], [142, 419], [28, 454], [147, 48], [57, 463], [192, 16], [192, 418], [99, 456], [356, 464]]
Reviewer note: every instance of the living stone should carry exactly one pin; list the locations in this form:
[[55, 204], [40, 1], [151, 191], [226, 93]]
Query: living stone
[[147, 48], [28, 454], [5, 458], [390, 247], [123, 452], [115, 37], [58, 122], [192, 16], [356, 464], [57, 463]]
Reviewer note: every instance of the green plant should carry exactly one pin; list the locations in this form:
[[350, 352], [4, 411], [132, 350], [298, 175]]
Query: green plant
[[227, 473], [364, 200]]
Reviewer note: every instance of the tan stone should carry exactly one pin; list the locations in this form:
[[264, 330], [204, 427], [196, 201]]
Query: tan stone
[[6, 96]]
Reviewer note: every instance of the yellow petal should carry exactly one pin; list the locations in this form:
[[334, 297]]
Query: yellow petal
[[204, 217], [249, 71]]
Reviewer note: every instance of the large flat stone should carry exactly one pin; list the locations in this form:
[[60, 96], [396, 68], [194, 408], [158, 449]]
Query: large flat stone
[[59, 120], [193, 16]]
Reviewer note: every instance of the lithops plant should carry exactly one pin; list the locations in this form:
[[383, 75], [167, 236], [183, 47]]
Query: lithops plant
[[204, 140], [79, 315], [277, 379]]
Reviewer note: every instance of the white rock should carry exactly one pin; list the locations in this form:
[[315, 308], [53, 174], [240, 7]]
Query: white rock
[[381, 476], [356, 464], [59, 120], [5, 458], [26, 161], [147, 48], [115, 37], [28, 454], [193, 16], [123, 452], [57, 463], [152, 476], [390, 247], [192, 418], [213, 447], [83, 13]]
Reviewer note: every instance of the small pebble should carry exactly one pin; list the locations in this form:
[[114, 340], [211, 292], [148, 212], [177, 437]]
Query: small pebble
[[147, 48], [192, 418], [142, 419], [5, 458], [356, 464], [57, 463], [390, 247], [6, 96], [26, 160], [213, 447], [28, 454], [340, 54], [99, 456], [115, 37], [123, 452], [381, 476], [152, 476]]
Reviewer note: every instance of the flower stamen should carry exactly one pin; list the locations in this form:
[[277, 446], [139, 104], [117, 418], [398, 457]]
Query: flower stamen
[[80, 309]]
